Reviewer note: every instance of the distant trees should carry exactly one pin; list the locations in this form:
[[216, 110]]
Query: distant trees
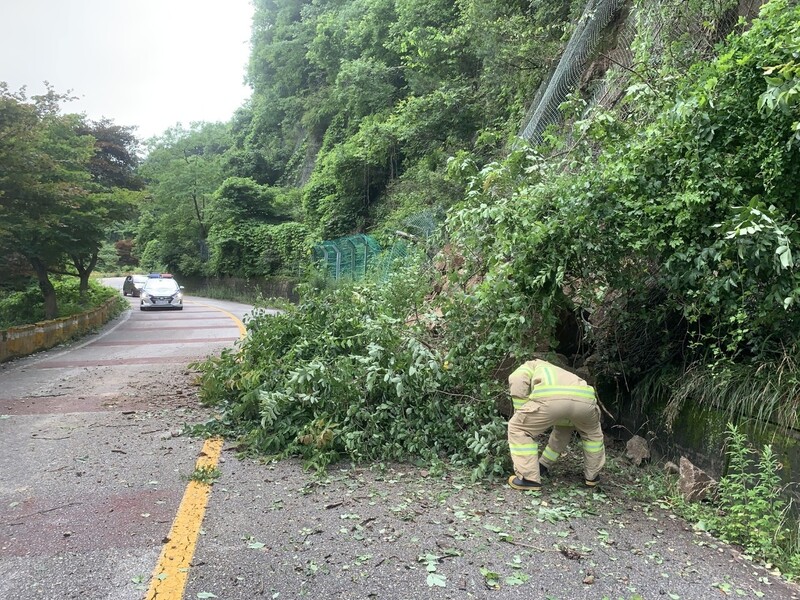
[[62, 182], [201, 219], [114, 191], [356, 107], [183, 169]]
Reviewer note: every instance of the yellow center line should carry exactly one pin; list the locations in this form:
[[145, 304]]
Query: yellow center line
[[239, 324], [172, 570]]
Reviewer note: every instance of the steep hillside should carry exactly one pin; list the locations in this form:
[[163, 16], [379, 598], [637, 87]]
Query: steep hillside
[[647, 240]]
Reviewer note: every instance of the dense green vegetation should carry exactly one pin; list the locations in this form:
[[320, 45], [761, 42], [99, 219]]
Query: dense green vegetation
[[26, 306], [655, 249], [650, 240], [64, 181], [356, 108]]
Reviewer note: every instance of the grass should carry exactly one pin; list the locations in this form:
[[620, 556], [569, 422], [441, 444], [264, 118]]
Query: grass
[[23, 307], [205, 475], [768, 394]]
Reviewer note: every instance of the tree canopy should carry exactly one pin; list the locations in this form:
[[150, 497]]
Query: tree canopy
[[62, 182]]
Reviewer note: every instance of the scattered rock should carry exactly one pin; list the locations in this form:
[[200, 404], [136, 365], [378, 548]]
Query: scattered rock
[[637, 449], [694, 483]]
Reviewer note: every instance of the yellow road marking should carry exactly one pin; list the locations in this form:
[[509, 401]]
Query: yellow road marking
[[239, 324], [172, 570], [169, 576]]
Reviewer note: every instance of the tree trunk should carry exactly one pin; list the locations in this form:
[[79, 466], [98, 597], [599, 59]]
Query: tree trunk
[[48, 291], [84, 272]]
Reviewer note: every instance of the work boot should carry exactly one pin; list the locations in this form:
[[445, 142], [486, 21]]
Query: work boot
[[544, 471], [520, 483], [592, 483]]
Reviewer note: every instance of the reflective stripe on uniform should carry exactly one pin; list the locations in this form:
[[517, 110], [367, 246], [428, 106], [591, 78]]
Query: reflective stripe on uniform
[[552, 391], [519, 402], [523, 449], [523, 370], [545, 374], [550, 454], [593, 446]]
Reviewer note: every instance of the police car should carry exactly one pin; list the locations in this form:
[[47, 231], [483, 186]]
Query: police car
[[161, 291]]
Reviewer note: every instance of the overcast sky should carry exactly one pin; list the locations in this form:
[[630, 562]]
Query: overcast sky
[[148, 63]]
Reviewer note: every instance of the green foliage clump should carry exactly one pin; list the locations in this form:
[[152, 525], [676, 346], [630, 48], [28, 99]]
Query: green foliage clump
[[749, 509], [27, 306], [249, 248], [750, 503], [352, 373], [675, 240]]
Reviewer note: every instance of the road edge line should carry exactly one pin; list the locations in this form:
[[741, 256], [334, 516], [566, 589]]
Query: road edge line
[[237, 320]]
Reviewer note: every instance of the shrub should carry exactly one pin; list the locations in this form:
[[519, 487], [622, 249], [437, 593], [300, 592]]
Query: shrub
[[27, 306], [352, 372]]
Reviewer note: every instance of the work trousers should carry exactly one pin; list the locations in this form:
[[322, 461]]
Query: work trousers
[[564, 415]]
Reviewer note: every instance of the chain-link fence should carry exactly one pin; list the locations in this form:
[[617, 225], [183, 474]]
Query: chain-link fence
[[346, 258], [353, 256]]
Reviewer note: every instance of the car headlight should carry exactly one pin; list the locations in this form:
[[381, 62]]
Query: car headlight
[[144, 294]]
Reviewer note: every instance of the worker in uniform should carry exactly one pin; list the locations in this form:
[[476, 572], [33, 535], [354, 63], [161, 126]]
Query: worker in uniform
[[546, 396]]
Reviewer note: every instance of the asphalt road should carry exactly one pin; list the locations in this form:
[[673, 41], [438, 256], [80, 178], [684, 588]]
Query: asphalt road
[[94, 487], [92, 464]]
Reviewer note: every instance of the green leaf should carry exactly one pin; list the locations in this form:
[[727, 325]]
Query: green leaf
[[517, 579], [436, 580]]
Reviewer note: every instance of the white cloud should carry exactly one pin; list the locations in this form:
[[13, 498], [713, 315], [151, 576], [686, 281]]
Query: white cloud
[[146, 63]]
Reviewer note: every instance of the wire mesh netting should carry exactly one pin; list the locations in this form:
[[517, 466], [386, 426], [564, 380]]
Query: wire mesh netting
[[353, 256], [552, 93], [422, 225], [606, 36]]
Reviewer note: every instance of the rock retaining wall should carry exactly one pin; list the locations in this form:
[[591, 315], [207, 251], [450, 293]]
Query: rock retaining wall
[[700, 434], [27, 339]]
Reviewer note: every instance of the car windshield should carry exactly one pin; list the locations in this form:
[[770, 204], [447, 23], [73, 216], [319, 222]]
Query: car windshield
[[161, 286]]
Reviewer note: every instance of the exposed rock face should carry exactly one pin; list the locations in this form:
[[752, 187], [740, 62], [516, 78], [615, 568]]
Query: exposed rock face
[[638, 450], [694, 483]]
